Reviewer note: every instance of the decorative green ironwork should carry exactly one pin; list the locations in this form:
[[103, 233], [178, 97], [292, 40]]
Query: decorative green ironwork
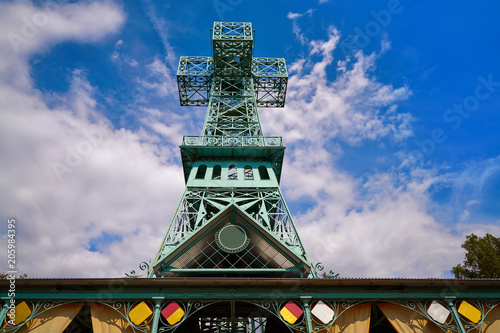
[[274, 308], [484, 307], [225, 325], [189, 307], [318, 268], [256, 319], [421, 307], [232, 84], [264, 79], [240, 303], [199, 208], [231, 141], [232, 109], [454, 323], [143, 266], [195, 77], [124, 308], [338, 307], [37, 308]]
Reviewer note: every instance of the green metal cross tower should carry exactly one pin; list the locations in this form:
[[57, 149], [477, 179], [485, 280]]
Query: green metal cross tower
[[232, 219]]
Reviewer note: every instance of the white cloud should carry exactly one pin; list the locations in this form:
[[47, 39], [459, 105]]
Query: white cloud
[[29, 29], [375, 226], [475, 190], [160, 79], [352, 108], [171, 129], [71, 179], [160, 26], [387, 232], [296, 27], [385, 43], [293, 16], [41, 27], [120, 58]]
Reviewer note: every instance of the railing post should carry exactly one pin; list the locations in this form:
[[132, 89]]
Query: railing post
[[3, 312], [156, 314], [307, 313], [454, 314]]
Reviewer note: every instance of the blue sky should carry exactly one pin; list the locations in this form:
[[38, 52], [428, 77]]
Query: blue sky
[[390, 122]]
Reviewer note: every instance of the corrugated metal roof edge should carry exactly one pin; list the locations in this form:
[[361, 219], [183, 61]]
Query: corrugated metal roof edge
[[193, 281]]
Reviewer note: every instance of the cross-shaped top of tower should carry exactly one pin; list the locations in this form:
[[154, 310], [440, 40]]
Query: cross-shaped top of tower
[[232, 219], [232, 44]]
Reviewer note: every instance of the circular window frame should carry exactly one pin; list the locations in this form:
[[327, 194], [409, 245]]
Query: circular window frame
[[237, 249]]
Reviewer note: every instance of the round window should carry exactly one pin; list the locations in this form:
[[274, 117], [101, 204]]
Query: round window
[[232, 238]]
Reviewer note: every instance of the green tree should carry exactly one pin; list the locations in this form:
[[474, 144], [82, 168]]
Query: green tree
[[330, 275], [482, 258], [5, 275]]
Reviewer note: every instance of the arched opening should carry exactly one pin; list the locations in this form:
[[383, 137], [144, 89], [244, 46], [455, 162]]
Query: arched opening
[[213, 316], [264, 175], [232, 173], [216, 172], [202, 170], [248, 171]]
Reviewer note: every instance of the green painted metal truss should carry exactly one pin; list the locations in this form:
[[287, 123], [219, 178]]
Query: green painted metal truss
[[195, 76], [232, 84], [232, 44], [190, 244]]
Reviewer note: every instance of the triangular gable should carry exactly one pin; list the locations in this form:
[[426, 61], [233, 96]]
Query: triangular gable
[[205, 254]]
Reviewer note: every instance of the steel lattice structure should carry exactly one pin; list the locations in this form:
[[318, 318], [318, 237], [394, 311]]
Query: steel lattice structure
[[232, 170], [232, 44]]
